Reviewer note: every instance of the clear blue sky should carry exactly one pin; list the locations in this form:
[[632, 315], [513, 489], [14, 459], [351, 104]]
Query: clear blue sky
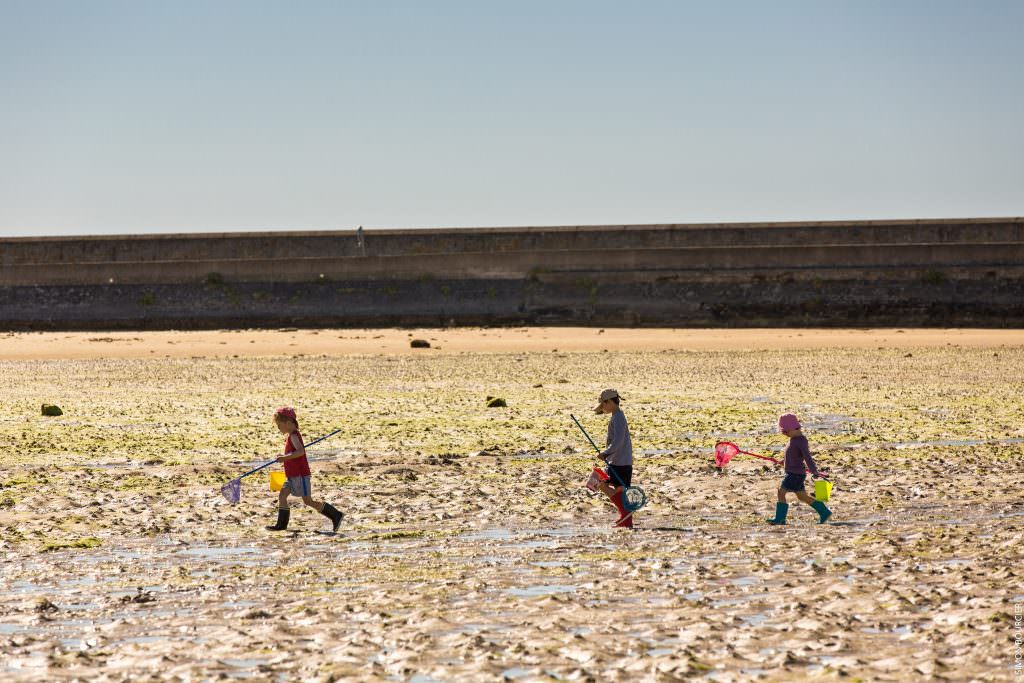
[[159, 116]]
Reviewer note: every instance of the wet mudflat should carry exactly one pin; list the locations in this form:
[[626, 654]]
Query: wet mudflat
[[471, 551]]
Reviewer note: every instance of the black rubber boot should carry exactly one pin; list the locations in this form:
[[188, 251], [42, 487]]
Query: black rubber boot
[[333, 514], [282, 520]]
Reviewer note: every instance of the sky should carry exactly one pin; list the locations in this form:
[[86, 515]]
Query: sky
[[195, 116]]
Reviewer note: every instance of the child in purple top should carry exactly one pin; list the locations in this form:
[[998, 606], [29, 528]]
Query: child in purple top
[[797, 453]]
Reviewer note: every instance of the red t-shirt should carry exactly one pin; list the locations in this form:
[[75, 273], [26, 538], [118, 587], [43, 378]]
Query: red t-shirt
[[299, 467]]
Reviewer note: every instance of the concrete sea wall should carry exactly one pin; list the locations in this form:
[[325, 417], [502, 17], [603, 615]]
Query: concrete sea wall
[[923, 272]]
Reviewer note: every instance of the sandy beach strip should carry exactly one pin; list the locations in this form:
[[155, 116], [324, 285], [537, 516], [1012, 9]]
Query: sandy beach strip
[[342, 342]]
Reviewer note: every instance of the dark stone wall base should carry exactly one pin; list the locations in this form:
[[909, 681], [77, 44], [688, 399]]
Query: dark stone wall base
[[985, 302]]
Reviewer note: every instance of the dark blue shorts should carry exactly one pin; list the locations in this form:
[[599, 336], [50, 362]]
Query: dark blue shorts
[[624, 472], [794, 482]]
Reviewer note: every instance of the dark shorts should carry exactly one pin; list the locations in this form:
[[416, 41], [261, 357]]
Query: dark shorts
[[624, 472], [794, 482]]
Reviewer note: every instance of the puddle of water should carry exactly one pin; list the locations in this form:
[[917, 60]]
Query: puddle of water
[[81, 623], [754, 619], [831, 424], [245, 556], [216, 553], [241, 604], [533, 544], [746, 581], [76, 643], [79, 607], [25, 587], [492, 559], [514, 673], [487, 535], [952, 442], [134, 590], [243, 664], [546, 589], [503, 534], [568, 532], [660, 602], [739, 600], [899, 630], [474, 628], [145, 639], [127, 465], [84, 581]]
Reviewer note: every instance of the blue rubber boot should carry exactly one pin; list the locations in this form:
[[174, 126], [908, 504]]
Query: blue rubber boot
[[781, 510], [823, 512]]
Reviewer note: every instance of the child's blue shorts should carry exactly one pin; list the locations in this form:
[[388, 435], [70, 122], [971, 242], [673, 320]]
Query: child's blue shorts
[[794, 482]]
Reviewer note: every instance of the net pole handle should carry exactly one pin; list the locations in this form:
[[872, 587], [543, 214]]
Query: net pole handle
[[807, 470], [610, 468], [257, 469], [268, 464], [584, 432], [763, 457]]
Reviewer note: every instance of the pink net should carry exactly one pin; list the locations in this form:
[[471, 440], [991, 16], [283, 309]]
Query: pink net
[[724, 452]]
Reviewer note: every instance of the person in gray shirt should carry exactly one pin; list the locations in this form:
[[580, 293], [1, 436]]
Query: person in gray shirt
[[618, 454]]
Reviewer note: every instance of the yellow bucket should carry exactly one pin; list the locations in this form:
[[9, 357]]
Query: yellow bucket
[[822, 490], [277, 480]]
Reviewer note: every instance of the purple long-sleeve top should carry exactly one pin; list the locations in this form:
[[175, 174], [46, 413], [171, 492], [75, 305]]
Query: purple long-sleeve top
[[798, 452]]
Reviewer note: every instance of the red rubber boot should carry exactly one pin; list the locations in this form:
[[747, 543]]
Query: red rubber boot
[[625, 518]]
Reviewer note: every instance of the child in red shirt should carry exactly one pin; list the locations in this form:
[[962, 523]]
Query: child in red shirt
[[296, 468]]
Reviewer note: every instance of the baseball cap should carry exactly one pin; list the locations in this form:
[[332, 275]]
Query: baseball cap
[[605, 395]]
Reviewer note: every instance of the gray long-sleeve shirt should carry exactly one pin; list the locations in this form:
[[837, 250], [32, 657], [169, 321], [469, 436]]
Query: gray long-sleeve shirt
[[619, 449], [797, 453]]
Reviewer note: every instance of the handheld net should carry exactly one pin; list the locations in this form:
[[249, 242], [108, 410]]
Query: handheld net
[[634, 498], [724, 452], [232, 491]]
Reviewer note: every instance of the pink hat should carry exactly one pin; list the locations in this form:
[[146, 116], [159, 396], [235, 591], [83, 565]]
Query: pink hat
[[788, 423], [285, 412]]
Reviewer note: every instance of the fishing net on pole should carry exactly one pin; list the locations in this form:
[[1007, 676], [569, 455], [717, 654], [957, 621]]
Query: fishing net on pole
[[232, 491], [634, 498], [724, 452]]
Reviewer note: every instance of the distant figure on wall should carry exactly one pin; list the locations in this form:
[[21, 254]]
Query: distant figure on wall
[[360, 242]]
